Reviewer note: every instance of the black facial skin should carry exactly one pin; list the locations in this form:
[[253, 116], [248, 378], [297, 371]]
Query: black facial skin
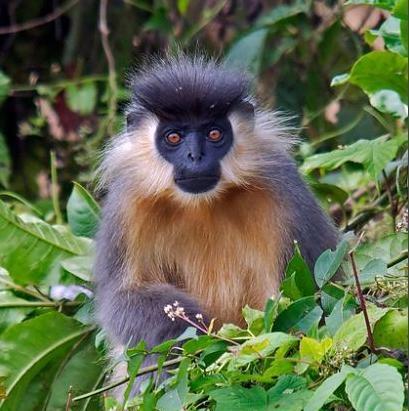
[[196, 158]]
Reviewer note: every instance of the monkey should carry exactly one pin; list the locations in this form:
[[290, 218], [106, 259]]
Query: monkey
[[203, 203]]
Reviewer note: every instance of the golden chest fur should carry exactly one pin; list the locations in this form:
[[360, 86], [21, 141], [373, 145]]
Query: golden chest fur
[[225, 254]]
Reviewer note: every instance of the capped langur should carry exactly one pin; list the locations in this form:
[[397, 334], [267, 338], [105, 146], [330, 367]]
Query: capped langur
[[203, 203]]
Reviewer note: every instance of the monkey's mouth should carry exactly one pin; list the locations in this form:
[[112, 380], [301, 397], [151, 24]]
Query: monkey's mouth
[[197, 184]]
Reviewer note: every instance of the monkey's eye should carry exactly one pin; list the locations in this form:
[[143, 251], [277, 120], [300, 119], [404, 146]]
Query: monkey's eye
[[173, 138], [214, 135]]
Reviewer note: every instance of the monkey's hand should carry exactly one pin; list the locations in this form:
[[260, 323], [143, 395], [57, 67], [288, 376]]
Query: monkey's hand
[[132, 315]]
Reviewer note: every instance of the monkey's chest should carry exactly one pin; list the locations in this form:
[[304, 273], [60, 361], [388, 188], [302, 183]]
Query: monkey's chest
[[225, 268]]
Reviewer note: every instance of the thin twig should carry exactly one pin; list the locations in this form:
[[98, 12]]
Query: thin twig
[[398, 259], [24, 290], [69, 399], [16, 28], [54, 188], [142, 371], [55, 304], [362, 218], [392, 202], [362, 304], [113, 89]]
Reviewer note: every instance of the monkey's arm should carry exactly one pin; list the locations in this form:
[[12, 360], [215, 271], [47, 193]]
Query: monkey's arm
[[307, 223], [133, 314]]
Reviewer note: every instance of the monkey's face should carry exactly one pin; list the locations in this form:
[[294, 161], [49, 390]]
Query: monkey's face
[[195, 149]]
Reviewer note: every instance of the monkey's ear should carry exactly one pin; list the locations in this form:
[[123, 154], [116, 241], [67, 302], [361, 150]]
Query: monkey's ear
[[133, 120], [246, 110]]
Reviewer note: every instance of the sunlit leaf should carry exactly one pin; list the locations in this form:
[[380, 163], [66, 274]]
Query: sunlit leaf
[[376, 388]]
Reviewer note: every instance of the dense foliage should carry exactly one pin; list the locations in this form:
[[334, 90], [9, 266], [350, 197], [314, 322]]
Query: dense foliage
[[323, 343]]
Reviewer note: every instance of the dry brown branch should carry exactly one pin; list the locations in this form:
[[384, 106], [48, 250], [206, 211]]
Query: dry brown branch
[[104, 30], [16, 28]]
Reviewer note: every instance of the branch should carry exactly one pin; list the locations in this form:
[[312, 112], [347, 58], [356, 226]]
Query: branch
[[362, 218], [362, 304], [54, 304], [142, 371], [104, 30], [16, 28], [398, 259]]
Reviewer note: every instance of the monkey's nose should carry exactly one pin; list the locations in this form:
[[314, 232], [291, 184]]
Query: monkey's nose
[[195, 156]]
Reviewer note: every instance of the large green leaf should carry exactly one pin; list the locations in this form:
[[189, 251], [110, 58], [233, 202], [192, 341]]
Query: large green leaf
[[326, 389], [377, 388], [28, 347], [328, 263], [83, 212], [391, 330], [353, 333], [32, 251], [298, 281], [301, 315], [247, 52], [240, 399], [381, 70], [374, 154], [81, 371]]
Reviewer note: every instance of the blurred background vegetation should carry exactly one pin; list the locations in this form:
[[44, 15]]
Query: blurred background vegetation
[[63, 71], [63, 92]]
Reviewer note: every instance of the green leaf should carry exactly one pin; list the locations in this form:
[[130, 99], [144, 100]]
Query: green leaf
[[326, 389], [352, 334], [231, 331], [177, 398], [270, 314], [183, 5], [32, 252], [376, 268], [4, 86], [298, 281], [391, 330], [82, 98], [340, 79], [388, 101], [381, 70], [377, 388], [5, 162], [328, 263], [390, 32], [80, 266], [83, 212], [136, 356], [254, 319], [30, 346], [314, 350], [404, 28], [282, 12], [247, 52], [82, 371], [262, 346], [343, 309], [401, 9], [384, 4], [289, 402], [301, 315], [374, 154], [238, 398]]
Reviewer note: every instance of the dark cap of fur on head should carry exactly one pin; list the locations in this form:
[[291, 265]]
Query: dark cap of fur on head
[[180, 86]]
